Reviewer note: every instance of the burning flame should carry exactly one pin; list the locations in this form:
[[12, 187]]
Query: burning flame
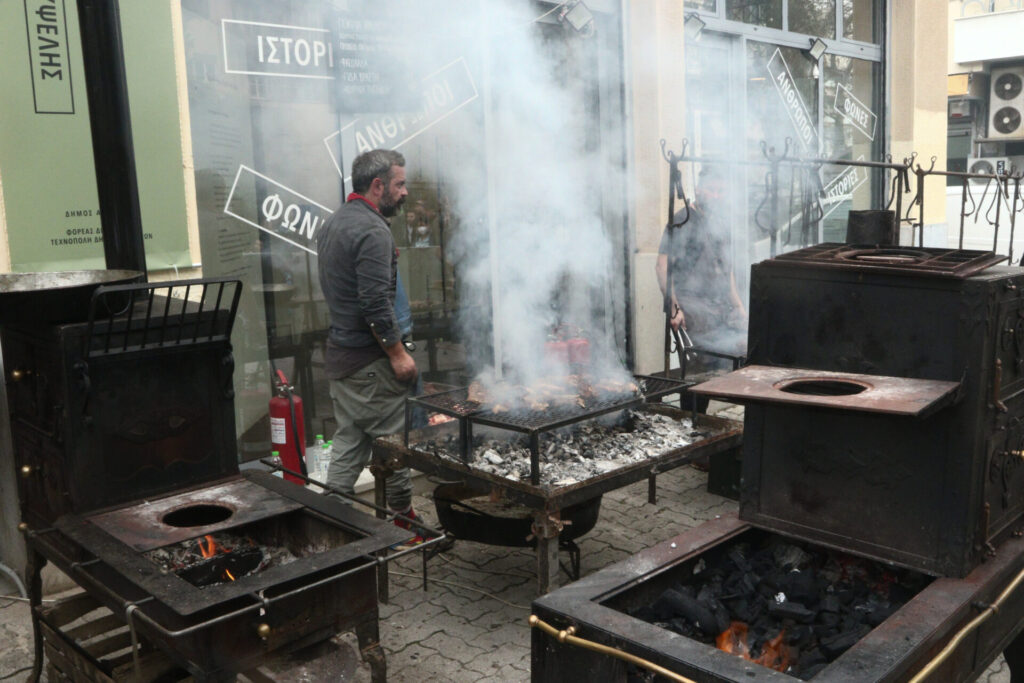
[[210, 549], [774, 653]]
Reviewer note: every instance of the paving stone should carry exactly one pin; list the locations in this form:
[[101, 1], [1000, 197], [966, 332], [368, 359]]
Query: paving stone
[[455, 646]]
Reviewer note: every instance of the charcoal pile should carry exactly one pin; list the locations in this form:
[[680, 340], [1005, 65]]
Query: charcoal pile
[[218, 558], [789, 607], [575, 453]]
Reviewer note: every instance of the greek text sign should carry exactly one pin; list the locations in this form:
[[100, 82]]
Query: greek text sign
[[854, 111], [260, 49], [46, 26], [374, 66], [279, 211], [442, 93], [804, 125], [842, 187]]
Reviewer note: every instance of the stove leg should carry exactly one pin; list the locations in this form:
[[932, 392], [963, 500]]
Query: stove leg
[[34, 574], [547, 565], [380, 498], [368, 635], [1014, 655], [546, 527]]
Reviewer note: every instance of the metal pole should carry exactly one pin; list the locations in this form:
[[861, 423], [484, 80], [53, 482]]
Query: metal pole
[[492, 210], [920, 204], [110, 121]]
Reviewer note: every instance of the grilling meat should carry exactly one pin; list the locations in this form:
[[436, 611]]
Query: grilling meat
[[570, 390]]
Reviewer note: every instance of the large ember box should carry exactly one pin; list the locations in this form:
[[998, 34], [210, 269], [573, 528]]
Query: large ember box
[[824, 459], [859, 620], [118, 409]]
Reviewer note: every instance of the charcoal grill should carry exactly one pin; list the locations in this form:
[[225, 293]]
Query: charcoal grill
[[547, 500], [123, 433], [456, 403]]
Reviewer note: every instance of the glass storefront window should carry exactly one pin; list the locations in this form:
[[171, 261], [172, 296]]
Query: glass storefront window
[[777, 95], [782, 103], [758, 12], [860, 21], [813, 17], [705, 5], [851, 131], [282, 97]]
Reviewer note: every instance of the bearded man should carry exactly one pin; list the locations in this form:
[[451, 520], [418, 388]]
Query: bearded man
[[370, 370]]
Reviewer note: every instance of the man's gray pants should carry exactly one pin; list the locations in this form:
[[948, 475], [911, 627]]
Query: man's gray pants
[[367, 404]]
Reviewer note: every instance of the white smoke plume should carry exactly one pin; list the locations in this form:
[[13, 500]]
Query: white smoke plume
[[532, 228]]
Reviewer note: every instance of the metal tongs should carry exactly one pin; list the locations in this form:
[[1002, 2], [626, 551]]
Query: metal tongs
[[687, 345], [678, 342]]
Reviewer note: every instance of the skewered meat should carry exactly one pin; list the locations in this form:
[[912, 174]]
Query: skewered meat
[[476, 392]]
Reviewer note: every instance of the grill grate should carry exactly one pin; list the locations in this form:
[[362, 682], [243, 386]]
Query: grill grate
[[135, 318], [456, 403]]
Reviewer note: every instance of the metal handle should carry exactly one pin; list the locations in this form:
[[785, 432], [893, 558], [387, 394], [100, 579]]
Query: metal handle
[[568, 637]]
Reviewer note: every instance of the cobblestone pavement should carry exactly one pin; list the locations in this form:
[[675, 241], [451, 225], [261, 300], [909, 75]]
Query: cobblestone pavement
[[471, 622]]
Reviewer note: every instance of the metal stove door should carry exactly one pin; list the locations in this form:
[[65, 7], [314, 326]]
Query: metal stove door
[[1009, 342], [1004, 475]]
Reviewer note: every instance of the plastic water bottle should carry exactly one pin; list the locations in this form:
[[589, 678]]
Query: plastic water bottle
[[325, 459], [313, 457], [275, 457]]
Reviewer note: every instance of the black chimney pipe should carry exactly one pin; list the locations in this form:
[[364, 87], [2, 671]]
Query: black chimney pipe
[[111, 124]]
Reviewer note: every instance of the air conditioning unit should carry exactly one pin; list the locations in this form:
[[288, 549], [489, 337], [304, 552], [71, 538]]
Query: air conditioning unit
[[989, 165], [1006, 104]]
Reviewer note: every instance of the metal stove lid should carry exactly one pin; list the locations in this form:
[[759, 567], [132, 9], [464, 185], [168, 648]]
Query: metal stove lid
[[142, 527], [919, 261], [839, 390]]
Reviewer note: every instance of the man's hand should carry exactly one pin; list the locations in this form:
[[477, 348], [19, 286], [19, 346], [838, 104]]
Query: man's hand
[[402, 363], [678, 320]]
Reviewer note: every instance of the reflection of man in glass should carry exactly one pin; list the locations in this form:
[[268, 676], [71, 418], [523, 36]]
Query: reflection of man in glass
[[370, 370], [417, 225], [705, 300]]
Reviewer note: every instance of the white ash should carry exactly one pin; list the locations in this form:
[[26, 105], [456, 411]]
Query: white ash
[[575, 453]]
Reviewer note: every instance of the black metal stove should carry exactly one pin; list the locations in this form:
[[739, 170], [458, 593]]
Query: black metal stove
[[934, 487], [123, 430]]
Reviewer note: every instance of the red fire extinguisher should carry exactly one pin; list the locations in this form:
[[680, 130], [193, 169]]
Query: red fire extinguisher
[[287, 428]]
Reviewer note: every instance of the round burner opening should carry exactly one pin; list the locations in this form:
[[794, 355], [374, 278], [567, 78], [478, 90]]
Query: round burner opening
[[823, 387], [197, 515], [896, 257]]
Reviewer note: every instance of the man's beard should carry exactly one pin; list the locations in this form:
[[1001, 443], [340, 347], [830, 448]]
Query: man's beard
[[389, 207]]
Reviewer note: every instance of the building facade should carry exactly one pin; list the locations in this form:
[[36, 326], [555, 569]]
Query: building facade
[[533, 136]]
